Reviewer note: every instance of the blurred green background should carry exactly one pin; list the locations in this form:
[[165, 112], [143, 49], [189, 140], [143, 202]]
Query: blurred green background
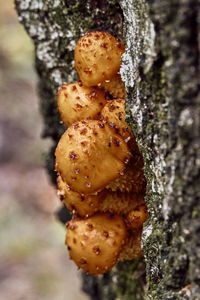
[[34, 262]]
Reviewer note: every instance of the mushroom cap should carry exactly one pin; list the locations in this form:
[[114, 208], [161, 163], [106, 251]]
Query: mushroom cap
[[77, 102], [90, 155], [84, 206], [137, 216], [114, 114], [115, 87], [95, 243], [97, 57]]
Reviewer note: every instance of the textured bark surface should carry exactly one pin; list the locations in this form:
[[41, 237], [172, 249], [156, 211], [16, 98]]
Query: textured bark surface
[[160, 70]]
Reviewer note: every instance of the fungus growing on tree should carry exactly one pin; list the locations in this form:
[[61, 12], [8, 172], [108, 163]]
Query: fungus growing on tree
[[100, 168], [97, 57], [93, 148], [137, 216], [115, 87], [95, 243], [114, 114], [82, 205], [77, 102], [120, 202], [132, 179]]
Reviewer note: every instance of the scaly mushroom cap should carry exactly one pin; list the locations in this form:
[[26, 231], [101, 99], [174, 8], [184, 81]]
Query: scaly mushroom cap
[[115, 87], [90, 155], [84, 206], [77, 102], [137, 216], [95, 243], [97, 57], [114, 114]]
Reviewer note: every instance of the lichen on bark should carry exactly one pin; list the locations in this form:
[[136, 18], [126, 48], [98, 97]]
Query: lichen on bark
[[160, 71]]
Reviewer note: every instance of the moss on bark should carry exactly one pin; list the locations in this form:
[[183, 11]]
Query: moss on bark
[[160, 71]]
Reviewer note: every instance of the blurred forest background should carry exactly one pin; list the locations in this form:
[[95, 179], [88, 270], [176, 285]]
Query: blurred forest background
[[34, 263]]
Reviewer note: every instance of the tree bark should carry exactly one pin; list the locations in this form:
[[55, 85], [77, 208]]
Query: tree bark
[[160, 70]]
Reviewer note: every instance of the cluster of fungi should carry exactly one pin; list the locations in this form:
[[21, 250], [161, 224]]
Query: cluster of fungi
[[99, 166]]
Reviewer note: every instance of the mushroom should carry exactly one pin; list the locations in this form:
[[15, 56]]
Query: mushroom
[[115, 87], [97, 57], [83, 205], [77, 102], [114, 114], [101, 179], [92, 148], [137, 217], [95, 243]]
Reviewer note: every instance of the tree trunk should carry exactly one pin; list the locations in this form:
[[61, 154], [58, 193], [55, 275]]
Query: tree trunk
[[160, 71]]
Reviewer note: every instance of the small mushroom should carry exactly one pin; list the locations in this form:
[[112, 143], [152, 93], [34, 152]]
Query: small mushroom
[[137, 217], [115, 87], [97, 57], [77, 102], [96, 151], [82, 205], [114, 114], [95, 243]]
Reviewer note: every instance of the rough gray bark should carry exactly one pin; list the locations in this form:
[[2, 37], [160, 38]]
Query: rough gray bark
[[160, 70]]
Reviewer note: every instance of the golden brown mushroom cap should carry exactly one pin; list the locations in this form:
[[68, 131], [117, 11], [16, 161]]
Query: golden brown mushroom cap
[[77, 102], [114, 114], [97, 57], [95, 243], [137, 217], [89, 155], [84, 206]]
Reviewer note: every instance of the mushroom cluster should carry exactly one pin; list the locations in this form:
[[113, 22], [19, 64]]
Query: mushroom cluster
[[99, 166]]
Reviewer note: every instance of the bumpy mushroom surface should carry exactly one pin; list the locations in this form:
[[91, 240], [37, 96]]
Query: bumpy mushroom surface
[[83, 205], [77, 102], [90, 155], [95, 243], [97, 57], [137, 216], [115, 87], [114, 114]]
